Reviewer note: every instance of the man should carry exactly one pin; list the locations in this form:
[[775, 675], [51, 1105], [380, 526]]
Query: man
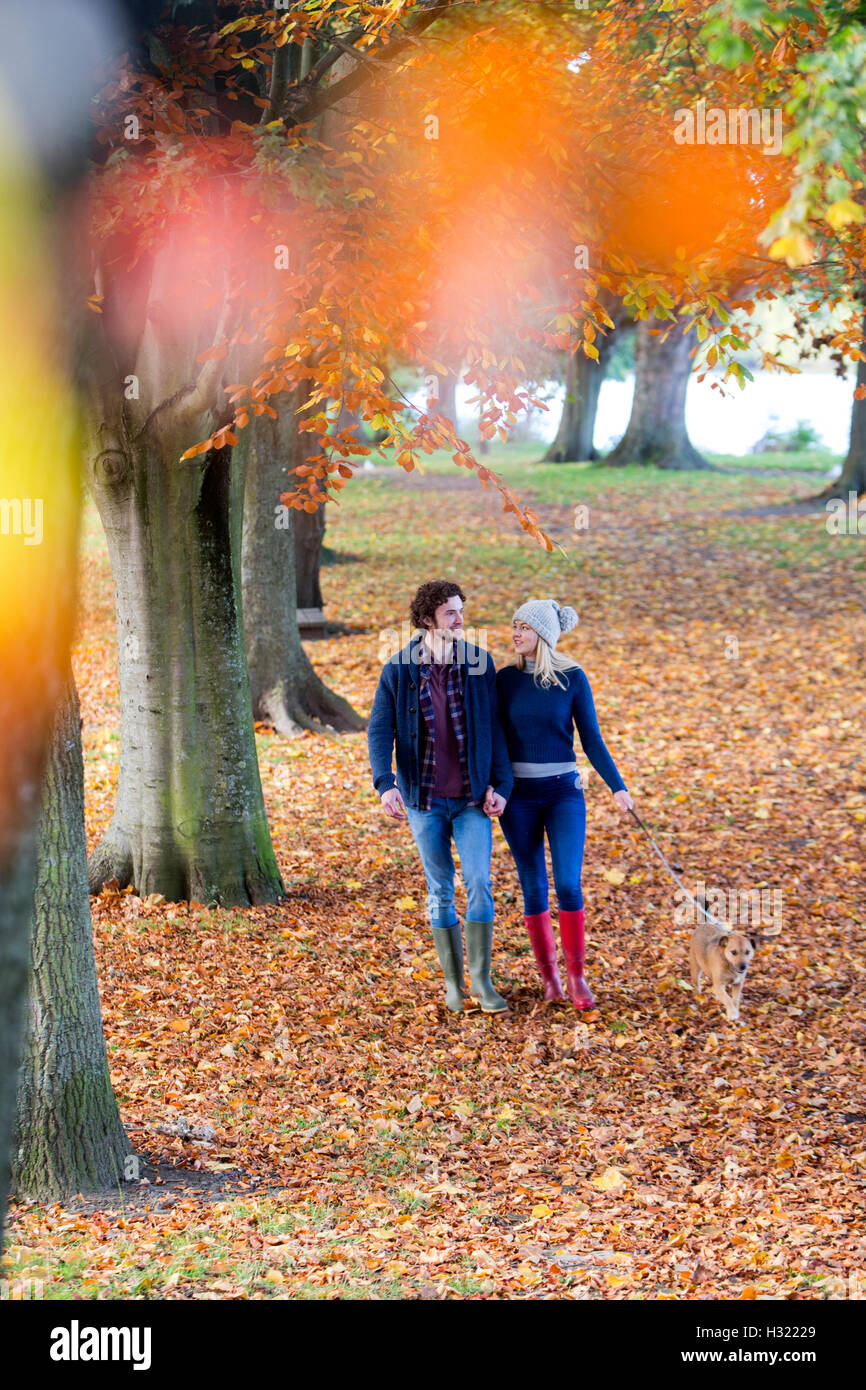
[[436, 702]]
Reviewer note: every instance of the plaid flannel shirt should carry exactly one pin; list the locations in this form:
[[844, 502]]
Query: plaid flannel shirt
[[454, 694]]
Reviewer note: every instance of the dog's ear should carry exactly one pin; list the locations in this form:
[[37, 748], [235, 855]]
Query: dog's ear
[[754, 940], [723, 941]]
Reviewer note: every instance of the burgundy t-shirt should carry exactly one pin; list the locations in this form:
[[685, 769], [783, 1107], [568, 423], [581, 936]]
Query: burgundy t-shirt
[[448, 779]]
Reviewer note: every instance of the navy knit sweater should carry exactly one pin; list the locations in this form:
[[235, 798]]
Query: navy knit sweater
[[539, 724]]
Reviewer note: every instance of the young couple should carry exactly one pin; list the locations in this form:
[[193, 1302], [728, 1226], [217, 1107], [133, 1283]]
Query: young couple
[[473, 745]]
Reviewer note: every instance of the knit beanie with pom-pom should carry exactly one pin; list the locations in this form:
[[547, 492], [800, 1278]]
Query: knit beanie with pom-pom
[[545, 617]]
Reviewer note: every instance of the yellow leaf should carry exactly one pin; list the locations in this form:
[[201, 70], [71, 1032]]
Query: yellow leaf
[[795, 250], [353, 883], [541, 1211], [840, 213], [405, 904], [609, 1180], [613, 876]]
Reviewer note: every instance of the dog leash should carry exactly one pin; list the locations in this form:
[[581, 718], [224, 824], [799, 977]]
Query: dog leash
[[726, 926]]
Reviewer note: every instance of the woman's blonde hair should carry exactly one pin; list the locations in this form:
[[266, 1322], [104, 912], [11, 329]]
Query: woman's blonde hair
[[547, 663]]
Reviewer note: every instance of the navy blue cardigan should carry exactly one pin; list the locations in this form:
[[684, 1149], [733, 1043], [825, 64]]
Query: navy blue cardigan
[[396, 715]]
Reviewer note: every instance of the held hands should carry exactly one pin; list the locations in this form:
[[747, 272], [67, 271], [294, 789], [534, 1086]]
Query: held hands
[[623, 801], [392, 805], [494, 804]]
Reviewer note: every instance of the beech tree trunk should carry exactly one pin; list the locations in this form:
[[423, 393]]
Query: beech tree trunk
[[286, 692], [69, 1135], [583, 382], [309, 534], [853, 475], [448, 397], [446, 402], [656, 431], [39, 458], [190, 819]]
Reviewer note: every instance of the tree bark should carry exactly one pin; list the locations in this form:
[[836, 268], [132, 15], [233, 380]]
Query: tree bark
[[656, 431], [447, 402], [286, 692], [583, 382], [69, 1135], [309, 537], [39, 460], [190, 819], [853, 475]]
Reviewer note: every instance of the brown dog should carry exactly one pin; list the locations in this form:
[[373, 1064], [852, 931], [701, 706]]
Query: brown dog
[[724, 957]]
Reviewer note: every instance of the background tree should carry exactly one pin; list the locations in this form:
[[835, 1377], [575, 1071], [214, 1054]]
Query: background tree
[[853, 475], [286, 692], [584, 378], [656, 431], [189, 821]]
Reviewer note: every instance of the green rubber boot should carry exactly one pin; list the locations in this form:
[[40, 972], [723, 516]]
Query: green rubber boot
[[449, 949], [479, 946]]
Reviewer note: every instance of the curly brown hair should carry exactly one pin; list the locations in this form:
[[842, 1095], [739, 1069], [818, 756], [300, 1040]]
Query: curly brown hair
[[429, 597]]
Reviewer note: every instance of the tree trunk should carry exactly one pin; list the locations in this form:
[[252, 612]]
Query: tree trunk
[[853, 475], [189, 820], [296, 447], [309, 536], [447, 403], [286, 692], [70, 1138], [583, 382], [656, 431], [40, 487]]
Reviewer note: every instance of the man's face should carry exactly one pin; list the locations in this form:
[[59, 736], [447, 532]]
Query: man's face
[[448, 619]]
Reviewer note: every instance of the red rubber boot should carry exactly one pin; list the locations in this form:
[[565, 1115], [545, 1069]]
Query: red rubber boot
[[571, 929], [543, 941]]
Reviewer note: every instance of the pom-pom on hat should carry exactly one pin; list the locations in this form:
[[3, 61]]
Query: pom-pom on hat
[[545, 617]]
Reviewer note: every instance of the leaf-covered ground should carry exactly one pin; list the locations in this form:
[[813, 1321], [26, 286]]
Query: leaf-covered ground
[[648, 1150]]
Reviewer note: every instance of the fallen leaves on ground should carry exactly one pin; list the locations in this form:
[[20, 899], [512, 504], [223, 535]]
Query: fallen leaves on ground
[[649, 1149]]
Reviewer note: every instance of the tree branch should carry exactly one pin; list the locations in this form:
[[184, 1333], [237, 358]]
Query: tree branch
[[322, 100]]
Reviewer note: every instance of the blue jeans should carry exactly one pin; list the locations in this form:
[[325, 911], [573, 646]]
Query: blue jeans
[[432, 831], [554, 805]]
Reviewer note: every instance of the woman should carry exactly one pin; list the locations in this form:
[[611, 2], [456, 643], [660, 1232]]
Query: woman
[[541, 700]]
